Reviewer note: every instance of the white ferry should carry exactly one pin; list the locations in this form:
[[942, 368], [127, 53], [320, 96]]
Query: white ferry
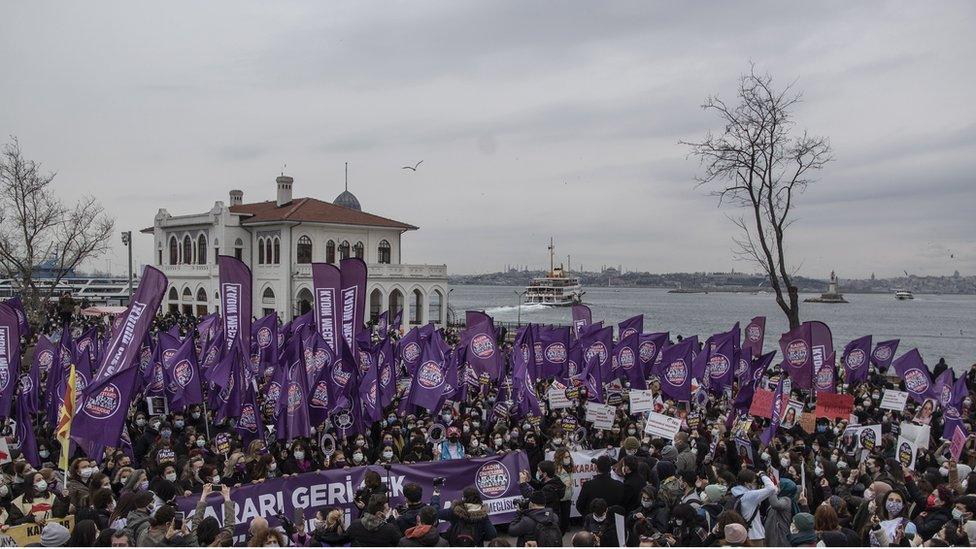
[[556, 288], [902, 295]]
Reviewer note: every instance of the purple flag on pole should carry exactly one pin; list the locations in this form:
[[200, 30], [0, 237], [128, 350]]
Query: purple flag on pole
[[649, 349], [387, 372], [951, 410], [227, 401], [397, 321], [428, 382], [884, 353], [183, 376], [747, 385], [776, 413], [552, 346], [352, 273], [9, 356], [915, 374], [582, 317], [855, 359], [326, 280], [633, 325], [805, 349], [106, 400], [676, 370], [753, 335], [625, 355], [319, 358], [25, 424], [481, 348], [721, 352], [264, 342], [250, 425], [599, 343], [293, 418], [825, 379], [409, 351], [383, 324], [369, 388], [235, 300], [17, 305], [523, 385]]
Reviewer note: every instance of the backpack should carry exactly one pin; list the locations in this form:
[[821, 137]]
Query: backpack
[[463, 534], [546, 534], [672, 490], [735, 504]]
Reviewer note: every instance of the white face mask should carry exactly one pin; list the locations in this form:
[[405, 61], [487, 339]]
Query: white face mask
[[387, 454], [357, 457], [41, 485], [171, 477], [299, 455], [216, 479]]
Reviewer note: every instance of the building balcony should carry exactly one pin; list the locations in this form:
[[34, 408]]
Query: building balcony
[[384, 271]]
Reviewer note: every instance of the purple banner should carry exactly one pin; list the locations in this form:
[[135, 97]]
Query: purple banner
[[633, 325], [495, 478], [676, 370], [855, 359], [913, 371], [626, 361], [805, 349], [753, 335], [582, 317], [352, 274], [884, 353], [9, 356], [326, 280], [235, 300]]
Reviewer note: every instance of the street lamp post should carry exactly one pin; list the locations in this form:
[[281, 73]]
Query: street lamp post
[[127, 240], [448, 313], [519, 306]]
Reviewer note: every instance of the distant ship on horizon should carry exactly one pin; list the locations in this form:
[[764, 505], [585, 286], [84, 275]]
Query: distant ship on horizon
[[556, 289]]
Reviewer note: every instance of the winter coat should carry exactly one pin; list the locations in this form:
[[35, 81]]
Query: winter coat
[[600, 486], [472, 513], [372, 531], [422, 535], [525, 524]]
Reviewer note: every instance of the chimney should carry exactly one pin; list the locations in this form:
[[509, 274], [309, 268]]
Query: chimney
[[236, 197], [284, 189]]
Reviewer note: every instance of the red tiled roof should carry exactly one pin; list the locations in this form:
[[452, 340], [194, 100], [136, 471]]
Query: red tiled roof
[[314, 211]]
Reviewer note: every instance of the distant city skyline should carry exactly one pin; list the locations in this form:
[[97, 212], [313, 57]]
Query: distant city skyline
[[530, 124]]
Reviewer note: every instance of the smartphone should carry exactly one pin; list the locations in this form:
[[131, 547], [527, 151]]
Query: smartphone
[[216, 487], [178, 520]]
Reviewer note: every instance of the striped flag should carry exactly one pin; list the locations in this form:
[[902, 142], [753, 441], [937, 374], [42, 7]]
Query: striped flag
[[66, 415]]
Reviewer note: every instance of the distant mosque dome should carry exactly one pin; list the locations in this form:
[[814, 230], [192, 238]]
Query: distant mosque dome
[[348, 200]]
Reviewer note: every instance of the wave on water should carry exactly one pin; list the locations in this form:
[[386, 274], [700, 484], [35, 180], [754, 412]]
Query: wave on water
[[515, 308]]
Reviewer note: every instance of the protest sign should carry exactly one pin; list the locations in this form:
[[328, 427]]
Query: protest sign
[[894, 400], [600, 415], [222, 442], [834, 406], [27, 534], [496, 479], [557, 398], [660, 425], [762, 403], [808, 422], [958, 443], [917, 434], [905, 452], [583, 469], [869, 437], [641, 401]]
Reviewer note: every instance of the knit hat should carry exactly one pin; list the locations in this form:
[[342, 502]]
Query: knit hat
[[669, 453], [715, 492], [735, 533], [54, 535], [631, 443], [803, 522]]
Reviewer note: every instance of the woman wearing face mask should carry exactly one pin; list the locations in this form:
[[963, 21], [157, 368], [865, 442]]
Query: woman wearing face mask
[[120, 479], [889, 518], [138, 482], [782, 507], [299, 461], [190, 480], [79, 473], [563, 459], [387, 456], [36, 504]]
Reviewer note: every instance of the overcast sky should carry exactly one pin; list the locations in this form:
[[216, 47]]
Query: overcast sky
[[532, 119]]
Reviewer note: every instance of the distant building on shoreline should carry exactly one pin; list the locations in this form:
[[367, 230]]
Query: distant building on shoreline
[[279, 239]]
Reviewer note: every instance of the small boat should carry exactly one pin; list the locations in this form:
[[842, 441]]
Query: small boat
[[903, 295], [556, 288]]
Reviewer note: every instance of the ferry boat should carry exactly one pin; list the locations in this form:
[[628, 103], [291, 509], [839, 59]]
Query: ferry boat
[[556, 288], [902, 295]]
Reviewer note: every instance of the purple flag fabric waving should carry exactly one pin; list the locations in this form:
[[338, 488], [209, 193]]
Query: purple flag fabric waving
[[776, 413], [106, 400], [235, 300], [552, 344], [183, 376], [250, 425], [650, 346], [293, 403], [17, 305], [352, 274], [9, 356], [676, 370], [582, 317], [855, 360], [805, 349], [915, 374], [633, 325], [428, 382], [721, 353], [951, 410], [753, 335], [625, 354], [326, 280], [884, 353], [825, 379], [481, 349], [264, 342]]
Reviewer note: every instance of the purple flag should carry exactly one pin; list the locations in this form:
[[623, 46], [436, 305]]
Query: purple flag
[[383, 324], [264, 342], [183, 376], [9, 356], [428, 382], [352, 275], [369, 390], [481, 348], [825, 380], [805, 349], [523, 385], [951, 409], [650, 346], [409, 351], [105, 401], [30, 382], [25, 424], [721, 352], [326, 280], [235, 300], [776, 413], [676, 370], [250, 426], [344, 378], [747, 386], [582, 317], [633, 325], [17, 305], [753, 335], [397, 321], [552, 346], [592, 379], [293, 418], [228, 400], [884, 353], [855, 360], [915, 374], [387, 372], [625, 355], [599, 343]]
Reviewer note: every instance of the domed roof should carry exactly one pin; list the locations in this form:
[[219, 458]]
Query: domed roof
[[348, 200]]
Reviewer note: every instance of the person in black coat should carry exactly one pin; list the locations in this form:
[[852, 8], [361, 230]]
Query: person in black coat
[[633, 484], [374, 529], [548, 483], [600, 486]]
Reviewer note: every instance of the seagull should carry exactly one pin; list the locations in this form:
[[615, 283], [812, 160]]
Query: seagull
[[414, 167]]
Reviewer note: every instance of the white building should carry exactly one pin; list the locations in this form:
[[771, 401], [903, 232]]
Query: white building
[[278, 240]]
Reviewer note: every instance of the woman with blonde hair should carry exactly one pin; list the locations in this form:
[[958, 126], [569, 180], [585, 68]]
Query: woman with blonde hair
[[563, 459]]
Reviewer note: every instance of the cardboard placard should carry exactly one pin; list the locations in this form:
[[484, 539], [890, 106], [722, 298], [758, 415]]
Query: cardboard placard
[[600, 415], [958, 443], [641, 401], [808, 422], [834, 406], [905, 452], [660, 425], [917, 434], [557, 398], [762, 403], [222, 442], [894, 400]]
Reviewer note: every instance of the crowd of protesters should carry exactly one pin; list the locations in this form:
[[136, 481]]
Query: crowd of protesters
[[805, 488]]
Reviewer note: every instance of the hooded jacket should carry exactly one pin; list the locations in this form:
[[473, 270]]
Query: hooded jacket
[[422, 535], [526, 524], [372, 531], [472, 513]]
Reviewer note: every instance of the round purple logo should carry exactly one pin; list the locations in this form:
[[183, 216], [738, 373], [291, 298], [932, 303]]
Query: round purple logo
[[320, 395], [339, 374], [625, 358], [753, 333], [855, 359], [411, 353], [248, 420], [598, 349], [295, 397], [916, 381], [797, 352], [429, 375], [482, 346], [556, 353], [264, 337], [676, 372], [646, 351], [882, 353], [183, 372], [492, 479], [718, 366], [105, 403]]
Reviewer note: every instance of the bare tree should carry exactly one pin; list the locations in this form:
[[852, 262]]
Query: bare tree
[[757, 163], [35, 225]]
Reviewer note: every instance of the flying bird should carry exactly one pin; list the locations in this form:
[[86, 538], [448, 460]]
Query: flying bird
[[414, 167]]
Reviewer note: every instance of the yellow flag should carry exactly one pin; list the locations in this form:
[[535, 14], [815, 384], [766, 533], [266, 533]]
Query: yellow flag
[[67, 413]]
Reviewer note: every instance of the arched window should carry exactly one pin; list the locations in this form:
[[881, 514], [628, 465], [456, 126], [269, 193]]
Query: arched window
[[330, 252], [304, 301], [267, 251], [435, 306], [187, 294], [277, 251], [174, 251], [268, 296], [383, 252], [202, 295], [357, 250], [187, 250], [202, 249], [260, 251], [417, 311], [173, 294], [344, 250], [239, 249], [303, 253]]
